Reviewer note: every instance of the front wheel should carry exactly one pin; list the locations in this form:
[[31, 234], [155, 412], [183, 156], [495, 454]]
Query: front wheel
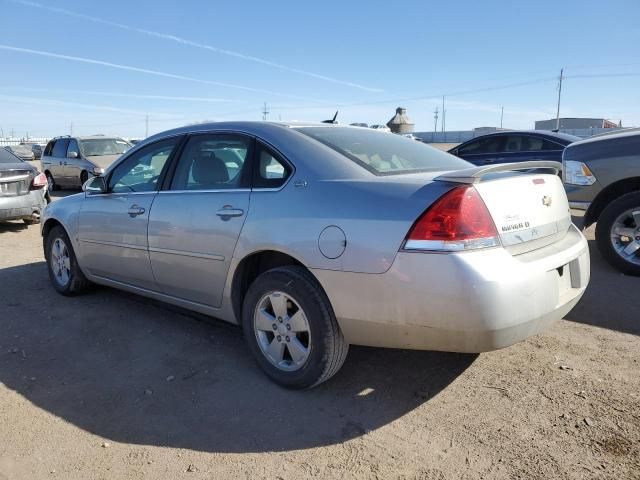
[[51, 183], [291, 329], [618, 233], [64, 272]]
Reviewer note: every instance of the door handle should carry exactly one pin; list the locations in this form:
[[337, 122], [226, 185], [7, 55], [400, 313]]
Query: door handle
[[227, 211], [135, 210]]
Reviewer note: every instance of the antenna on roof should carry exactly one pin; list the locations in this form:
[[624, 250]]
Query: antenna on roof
[[333, 120]]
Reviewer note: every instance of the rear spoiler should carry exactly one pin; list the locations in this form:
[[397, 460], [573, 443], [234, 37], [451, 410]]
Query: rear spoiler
[[474, 175]]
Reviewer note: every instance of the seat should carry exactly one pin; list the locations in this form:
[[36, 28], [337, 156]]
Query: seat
[[209, 171]]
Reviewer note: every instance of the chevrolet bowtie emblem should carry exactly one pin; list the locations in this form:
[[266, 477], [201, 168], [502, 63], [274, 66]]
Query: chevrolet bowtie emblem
[[546, 201]]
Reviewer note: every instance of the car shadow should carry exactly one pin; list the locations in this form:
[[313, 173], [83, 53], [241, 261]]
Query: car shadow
[[137, 371], [15, 226], [620, 310]]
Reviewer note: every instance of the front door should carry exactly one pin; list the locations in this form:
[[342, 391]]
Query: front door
[[194, 224], [113, 225]]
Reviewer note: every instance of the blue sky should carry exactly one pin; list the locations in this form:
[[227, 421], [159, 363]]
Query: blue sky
[[104, 66]]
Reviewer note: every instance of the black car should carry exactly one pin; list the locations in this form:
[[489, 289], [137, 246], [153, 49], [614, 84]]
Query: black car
[[514, 146]]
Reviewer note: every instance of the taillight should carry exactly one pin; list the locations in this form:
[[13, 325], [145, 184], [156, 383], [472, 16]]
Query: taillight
[[39, 181], [459, 220]]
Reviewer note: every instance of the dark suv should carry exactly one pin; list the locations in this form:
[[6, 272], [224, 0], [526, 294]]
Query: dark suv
[[602, 177]]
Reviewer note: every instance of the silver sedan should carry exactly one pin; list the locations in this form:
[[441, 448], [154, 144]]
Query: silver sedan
[[315, 237]]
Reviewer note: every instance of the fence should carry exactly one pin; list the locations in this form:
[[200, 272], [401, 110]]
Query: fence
[[17, 141]]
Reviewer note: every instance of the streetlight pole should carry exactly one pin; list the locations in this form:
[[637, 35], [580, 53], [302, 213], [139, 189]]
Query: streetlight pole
[[559, 94]]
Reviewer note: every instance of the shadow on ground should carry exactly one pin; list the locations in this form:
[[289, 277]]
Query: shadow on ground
[[136, 371], [612, 300]]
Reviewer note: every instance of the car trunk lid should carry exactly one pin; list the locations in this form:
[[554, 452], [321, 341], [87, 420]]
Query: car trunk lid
[[15, 182], [530, 210]]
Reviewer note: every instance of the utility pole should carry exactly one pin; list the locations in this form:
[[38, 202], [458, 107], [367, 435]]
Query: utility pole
[[444, 116], [146, 126], [559, 94], [12, 133], [501, 115], [435, 119], [265, 112]]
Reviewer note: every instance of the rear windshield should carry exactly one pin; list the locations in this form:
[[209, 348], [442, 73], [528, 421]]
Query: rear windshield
[[8, 157], [384, 153], [104, 146]]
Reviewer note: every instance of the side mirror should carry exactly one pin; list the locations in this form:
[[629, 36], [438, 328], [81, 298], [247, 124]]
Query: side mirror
[[72, 155], [95, 185]]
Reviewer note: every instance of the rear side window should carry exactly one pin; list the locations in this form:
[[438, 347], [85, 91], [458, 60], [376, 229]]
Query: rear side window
[[383, 153], [213, 162], [270, 170], [60, 147]]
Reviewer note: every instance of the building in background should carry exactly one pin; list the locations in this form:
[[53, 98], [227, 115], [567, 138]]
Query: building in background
[[575, 123], [400, 122]]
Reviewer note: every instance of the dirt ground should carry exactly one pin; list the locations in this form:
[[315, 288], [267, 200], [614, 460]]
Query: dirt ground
[[110, 385]]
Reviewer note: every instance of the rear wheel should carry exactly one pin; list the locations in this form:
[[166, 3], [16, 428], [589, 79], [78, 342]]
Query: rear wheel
[[291, 330], [618, 233], [64, 272]]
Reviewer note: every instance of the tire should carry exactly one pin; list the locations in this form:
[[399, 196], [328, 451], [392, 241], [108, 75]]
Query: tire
[[326, 346], [52, 186], [30, 221], [610, 220], [67, 279], [84, 176]]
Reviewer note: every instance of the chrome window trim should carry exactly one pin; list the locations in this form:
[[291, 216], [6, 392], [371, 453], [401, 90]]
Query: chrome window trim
[[212, 190]]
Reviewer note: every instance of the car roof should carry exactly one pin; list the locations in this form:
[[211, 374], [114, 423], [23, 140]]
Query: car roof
[[532, 133]]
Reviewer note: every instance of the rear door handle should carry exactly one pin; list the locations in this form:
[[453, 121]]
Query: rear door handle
[[135, 210], [229, 212]]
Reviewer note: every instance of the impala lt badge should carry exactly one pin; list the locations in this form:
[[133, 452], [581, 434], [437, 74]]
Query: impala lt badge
[[546, 201]]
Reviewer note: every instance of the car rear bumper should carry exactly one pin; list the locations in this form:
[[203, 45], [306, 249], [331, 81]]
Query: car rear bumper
[[465, 302], [22, 206]]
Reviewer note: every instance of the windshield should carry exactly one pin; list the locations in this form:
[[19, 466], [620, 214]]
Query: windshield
[[103, 146], [8, 157], [384, 153]]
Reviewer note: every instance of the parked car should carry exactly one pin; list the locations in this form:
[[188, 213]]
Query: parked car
[[70, 161], [381, 128], [36, 148], [602, 177], [22, 152], [514, 146], [22, 189], [315, 237]]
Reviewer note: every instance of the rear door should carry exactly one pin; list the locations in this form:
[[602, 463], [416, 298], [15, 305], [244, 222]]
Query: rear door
[[113, 225], [195, 222]]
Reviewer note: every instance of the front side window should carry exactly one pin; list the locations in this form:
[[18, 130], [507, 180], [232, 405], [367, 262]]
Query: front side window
[[212, 162], [60, 147], [73, 147], [483, 145], [141, 171], [384, 154]]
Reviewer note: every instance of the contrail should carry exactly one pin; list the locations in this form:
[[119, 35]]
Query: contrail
[[126, 95], [142, 70], [191, 43], [57, 103]]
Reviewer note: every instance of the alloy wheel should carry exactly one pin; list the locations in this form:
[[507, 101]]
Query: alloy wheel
[[282, 330], [625, 235], [60, 262]]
